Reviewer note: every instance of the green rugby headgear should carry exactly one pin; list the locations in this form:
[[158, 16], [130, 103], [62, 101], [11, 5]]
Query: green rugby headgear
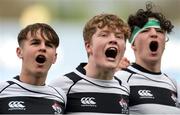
[[151, 23]]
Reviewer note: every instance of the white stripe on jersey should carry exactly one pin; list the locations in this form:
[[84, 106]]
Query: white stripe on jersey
[[21, 98], [23, 89]]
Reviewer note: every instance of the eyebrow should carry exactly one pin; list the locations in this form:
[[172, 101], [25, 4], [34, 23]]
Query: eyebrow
[[35, 39], [108, 31], [105, 31]]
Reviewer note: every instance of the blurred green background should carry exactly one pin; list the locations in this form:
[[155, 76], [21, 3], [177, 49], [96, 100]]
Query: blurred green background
[[79, 10]]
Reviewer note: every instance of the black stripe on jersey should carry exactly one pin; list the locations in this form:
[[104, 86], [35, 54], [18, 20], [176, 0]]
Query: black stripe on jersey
[[29, 105], [97, 103], [142, 69], [151, 95], [73, 76], [120, 82], [128, 70]]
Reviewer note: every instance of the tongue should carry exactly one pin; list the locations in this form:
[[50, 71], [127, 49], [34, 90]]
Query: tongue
[[153, 46], [40, 59]]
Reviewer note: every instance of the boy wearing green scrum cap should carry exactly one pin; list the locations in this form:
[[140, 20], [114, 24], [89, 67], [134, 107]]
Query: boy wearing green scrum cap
[[151, 91]]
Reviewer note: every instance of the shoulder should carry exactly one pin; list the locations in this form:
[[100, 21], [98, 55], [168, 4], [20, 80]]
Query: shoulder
[[124, 74], [59, 81], [3, 85], [6, 89], [172, 81], [59, 92], [65, 82], [124, 85]]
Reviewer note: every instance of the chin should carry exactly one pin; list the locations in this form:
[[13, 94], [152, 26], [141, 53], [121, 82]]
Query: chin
[[111, 66], [40, 72]]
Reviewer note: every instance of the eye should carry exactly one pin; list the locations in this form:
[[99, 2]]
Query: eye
[[103, 34], [35, 42], [160, 30], [119, 36], [49, 44], [145, 30]]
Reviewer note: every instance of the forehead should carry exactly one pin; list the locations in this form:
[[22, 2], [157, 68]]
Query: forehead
[[109, 29], [36, 35]]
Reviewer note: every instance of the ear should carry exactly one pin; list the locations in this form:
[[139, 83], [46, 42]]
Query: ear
[[19, 52], [55, 58], [133, 47], [88, 47]]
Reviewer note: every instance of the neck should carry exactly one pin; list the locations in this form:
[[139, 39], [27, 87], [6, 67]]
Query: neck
[[99, 72], [150, 66], [33, 79]]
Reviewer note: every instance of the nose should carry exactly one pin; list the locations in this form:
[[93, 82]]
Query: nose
[[153, 33], [113, 39], [43, 47]]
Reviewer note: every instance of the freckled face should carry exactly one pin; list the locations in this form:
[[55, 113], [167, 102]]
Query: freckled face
[[106, 48]]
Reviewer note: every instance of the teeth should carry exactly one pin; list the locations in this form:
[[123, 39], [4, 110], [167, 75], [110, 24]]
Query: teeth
[[112, 48], [111, 52]]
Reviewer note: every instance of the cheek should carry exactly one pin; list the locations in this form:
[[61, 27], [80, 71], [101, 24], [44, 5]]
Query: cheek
[[96, 51], [122, 46], [52, 56], [141, 43], [27, 53], [162, 42], [162, 45], [138, 46], [96, 46]]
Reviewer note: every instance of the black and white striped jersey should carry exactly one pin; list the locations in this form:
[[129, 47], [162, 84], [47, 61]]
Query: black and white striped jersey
[[150, 93], [21, 98], [86, 95]]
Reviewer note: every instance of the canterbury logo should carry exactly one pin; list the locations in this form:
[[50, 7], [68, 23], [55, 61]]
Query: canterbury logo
[[88, 100], [14, 105], [145, 93]]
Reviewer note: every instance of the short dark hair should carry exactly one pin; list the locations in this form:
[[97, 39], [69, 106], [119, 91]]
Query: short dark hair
[[45, 29], [142, 16]]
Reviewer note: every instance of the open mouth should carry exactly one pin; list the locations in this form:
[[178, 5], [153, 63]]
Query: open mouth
[[111, 52], [153, 46], [40, 59]]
